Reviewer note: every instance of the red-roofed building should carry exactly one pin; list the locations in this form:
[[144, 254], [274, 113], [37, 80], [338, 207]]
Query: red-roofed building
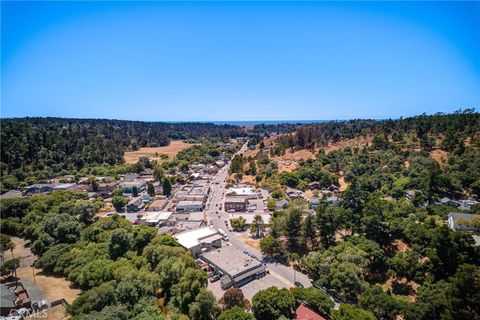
[[305, 313]]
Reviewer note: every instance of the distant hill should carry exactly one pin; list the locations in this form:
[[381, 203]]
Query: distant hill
[[32, 144]]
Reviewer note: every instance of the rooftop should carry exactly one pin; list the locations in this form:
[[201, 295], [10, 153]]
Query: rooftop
[[192, 238], [305, 313], [464, 216], [231, 260], [153, 216], [242, 191], [189, 203]]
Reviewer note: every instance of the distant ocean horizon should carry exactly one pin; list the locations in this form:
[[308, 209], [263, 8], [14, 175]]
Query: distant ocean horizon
[[255, 122]]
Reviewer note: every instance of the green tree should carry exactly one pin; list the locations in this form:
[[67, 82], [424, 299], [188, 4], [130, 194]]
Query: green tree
[[257, 225], [315, 299], [272, 247], [187, 289], [294, 223], [235, 313], [272, 303], [349, 312], [205, 306], [234, 297], [134, 191], [238, 223], [119, 202], [150, 189], [167, 187], [309, 232], [119, 242]]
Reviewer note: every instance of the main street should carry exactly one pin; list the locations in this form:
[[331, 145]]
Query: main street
[[217, 217]]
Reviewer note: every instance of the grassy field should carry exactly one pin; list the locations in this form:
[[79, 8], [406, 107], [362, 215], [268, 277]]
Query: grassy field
[[156, 153]]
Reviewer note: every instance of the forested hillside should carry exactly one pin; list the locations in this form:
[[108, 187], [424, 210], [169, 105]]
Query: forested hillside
[[55, 144]]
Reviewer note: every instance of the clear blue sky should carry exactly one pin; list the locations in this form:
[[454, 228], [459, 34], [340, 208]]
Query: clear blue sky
[[163, 61]]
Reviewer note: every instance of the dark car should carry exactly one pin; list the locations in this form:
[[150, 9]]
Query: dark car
[[298, 284]]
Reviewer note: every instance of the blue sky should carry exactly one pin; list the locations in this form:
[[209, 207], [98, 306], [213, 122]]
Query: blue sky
[[163, 61]]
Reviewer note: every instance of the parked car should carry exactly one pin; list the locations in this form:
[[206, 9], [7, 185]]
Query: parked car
[[215, 278], [298, 284]]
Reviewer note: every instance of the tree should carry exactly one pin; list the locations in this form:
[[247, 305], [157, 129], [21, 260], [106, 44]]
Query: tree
[[85, 212], [349, 312], [119, 202], [272, 247], [465, 292], [315, 299], [167, 187], [309, 232], [134, 191], [235, 313], [294, 223], [382, 304], [9, 267], [271, 204], [326, 225], [150, 189], [238, 223], [158, 172], [187, 289], [433, 301], [272, 303], [257, 225], [234, 297], [119, 242], [205, 306]]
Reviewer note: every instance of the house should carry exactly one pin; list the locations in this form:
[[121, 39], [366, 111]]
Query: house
[[13, 299], [448, 202], [314, 203], [333, 188], [410, 194], [189, 206], [313, 185], [281, 204], [135, 204], [236, 203], [38, 188], [157, 205], [129, 185], [107, 186], [198, 239], [305, 313], [333, 200], [464, 221], [466, 204], [158, 187]]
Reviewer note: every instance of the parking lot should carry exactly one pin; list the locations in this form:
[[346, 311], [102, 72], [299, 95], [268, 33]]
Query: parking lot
[[251, 288]]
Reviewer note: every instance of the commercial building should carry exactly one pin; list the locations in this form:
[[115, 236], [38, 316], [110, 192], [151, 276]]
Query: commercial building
[[155, 218], [236, 203], [249, 193], [235, 267], [250, 216], [199, 240], [189, 206]]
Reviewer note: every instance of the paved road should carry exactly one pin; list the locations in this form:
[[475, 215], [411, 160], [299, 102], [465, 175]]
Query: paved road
[[219, 219]]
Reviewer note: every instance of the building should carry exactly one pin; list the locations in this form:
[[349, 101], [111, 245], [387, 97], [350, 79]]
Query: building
[[155, 218], [107, 186], [236, 203], [128, 186], [189, 206], [65, 187], [333, 200], [235, 267], [315, 185], [196, 216], [199, 240], [157, 205], [249, 193], [38, 188], [281, 204], [186, 225], [135, 204], [464, 221], [466, 204], [305, 313]]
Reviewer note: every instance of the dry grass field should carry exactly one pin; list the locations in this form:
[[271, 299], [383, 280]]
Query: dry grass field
[[155, 153]]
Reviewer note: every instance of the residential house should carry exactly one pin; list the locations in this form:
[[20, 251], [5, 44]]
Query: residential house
[[281, 204], [464, 221], [155, 218], [315, 185], [305, 313], [38, 188], [135, 204]]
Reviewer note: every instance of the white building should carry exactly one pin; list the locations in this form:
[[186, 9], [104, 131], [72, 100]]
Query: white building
[[199, 240], [154, 218]]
